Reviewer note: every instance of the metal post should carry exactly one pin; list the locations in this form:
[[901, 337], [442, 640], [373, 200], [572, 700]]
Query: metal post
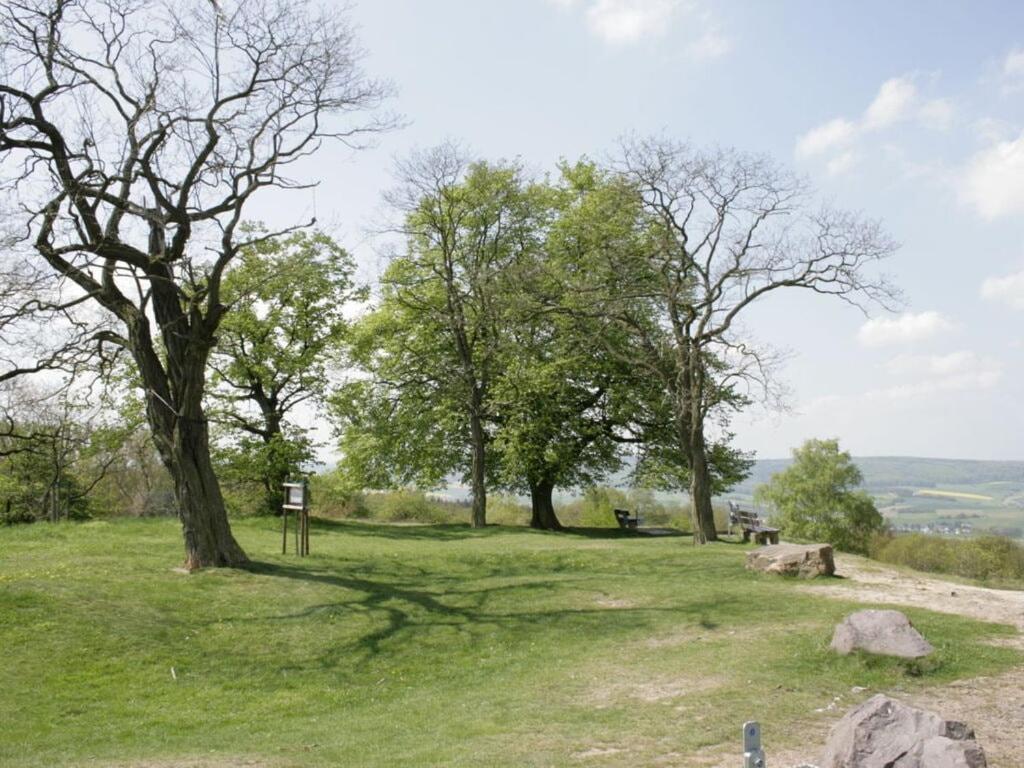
[[753, 755], [284, 532]]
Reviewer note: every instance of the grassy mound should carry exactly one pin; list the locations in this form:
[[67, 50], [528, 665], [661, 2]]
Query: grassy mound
[[417, 646]]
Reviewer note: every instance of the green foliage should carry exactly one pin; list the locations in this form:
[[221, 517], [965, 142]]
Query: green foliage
[[286, 329], [815, 498], [988, 558], [567, 396], [431, 348], [594, 509], [251, 470]]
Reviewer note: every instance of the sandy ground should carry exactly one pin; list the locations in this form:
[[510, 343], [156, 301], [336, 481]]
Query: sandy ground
[[993, 706], [871, 582]]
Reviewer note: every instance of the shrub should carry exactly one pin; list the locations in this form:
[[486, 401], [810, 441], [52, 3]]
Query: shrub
[[988, 557], [595, 509], [815, 498]]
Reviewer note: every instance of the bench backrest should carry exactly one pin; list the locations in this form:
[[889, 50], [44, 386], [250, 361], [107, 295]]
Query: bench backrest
[[747, 519], [622, 517]]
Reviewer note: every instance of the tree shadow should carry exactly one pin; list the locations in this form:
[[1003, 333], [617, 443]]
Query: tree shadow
[[402, 606], [462, 531], [409, 531]]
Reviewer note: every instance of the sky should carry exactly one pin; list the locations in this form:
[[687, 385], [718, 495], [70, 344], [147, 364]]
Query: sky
[[910, 112]]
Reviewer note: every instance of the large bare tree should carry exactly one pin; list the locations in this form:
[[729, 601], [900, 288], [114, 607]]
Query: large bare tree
[[727, 230], [134, 134]]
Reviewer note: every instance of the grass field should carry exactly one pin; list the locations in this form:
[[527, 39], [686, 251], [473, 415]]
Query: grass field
[[419, 646], [954, 495]]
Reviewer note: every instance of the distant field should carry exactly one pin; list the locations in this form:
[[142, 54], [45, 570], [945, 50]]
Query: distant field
[[954, 495], [410, 646], [989, 495]]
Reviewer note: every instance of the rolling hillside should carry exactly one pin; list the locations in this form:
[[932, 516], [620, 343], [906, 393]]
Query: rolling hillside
[[916, 493]]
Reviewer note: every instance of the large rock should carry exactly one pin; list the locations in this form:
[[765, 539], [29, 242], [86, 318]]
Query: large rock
[[888, 633], [804, 560], [884, 733]]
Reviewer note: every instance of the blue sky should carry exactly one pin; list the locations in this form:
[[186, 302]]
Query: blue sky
[[910, 112]]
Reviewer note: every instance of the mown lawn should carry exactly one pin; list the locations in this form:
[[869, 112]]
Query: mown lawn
[[419, 646]]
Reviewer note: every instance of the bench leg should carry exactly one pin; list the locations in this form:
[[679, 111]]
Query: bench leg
[[773, 538], [746, 536]]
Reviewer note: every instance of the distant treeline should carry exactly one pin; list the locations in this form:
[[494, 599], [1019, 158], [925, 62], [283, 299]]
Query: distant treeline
[[884, 472]]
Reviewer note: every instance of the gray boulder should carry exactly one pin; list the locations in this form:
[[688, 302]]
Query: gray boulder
[[884, 733], [804, 560], [888, 633]]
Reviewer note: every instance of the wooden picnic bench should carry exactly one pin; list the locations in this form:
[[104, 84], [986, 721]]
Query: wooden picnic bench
[[625, 520], [750, 523]]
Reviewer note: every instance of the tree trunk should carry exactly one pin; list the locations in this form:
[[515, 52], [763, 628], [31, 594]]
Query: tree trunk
[[701, 511], [174, 397], [478, 470], [204, 520], [276, 476], [542, 508]]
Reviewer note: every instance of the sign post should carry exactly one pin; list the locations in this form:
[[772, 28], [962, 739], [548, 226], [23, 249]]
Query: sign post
[[296, 496], [753, 755]]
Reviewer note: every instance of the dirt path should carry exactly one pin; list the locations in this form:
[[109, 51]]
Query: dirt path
[[993, 706], [871, 582]]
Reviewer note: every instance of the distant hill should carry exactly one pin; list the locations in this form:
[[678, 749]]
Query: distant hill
[[956, 496], [885, 472]]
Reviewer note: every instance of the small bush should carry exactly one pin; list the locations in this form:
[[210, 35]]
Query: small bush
[[507, 510], [595, 509], [987, 558]]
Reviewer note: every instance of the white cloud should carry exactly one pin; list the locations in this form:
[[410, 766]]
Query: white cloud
[[1013, 64], [828, 136], [892, 104], [902, 329], [1013, 71], [628, 21], [989, 130], [711, 45], [994, 179], [841, 164], [897, 101], [1008, 289], [959, 371], [937, 113]]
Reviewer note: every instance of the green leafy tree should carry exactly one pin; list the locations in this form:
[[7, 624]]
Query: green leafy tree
[[816, 498], [626, 298], [285, 332], [567, 403], [432, 346], [136, 140], [726, 230]]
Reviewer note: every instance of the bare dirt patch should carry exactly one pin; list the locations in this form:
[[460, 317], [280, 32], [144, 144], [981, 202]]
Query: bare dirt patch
[[993, 706], [650, 690], [874, 583], [612, 603]]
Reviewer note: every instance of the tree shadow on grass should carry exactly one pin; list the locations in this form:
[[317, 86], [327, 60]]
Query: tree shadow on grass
[[409, 531], [461, 531], [404, 608]]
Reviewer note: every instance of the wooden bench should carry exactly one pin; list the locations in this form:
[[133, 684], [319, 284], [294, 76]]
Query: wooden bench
[[750, 523], [623, 518]]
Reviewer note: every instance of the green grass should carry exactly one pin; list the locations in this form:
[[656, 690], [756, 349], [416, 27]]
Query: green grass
[[419, 646]]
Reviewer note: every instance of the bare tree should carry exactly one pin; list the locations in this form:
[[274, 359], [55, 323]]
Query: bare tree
[[728, 229], [134, 133]]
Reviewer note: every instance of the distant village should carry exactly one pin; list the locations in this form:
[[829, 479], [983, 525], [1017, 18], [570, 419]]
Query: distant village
[[938, 529]]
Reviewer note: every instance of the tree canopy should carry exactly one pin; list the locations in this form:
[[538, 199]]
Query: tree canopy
[[285, 333], [136, 135], [816, 498]]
